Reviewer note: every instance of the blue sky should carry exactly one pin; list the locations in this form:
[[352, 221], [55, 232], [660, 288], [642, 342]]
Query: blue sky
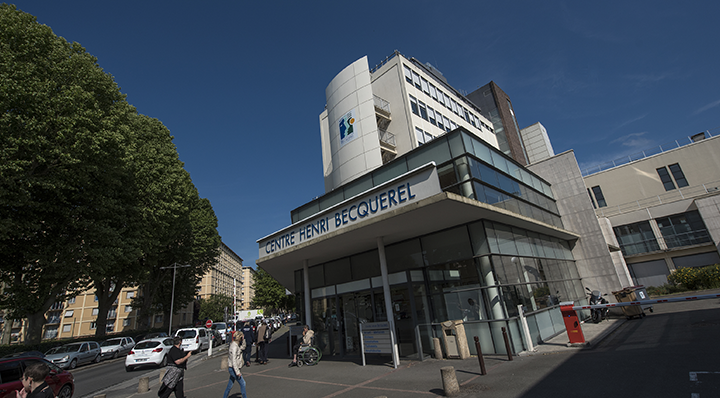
[[241, 84]]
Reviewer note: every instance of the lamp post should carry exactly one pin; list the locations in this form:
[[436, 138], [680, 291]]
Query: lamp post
[[172, 298]]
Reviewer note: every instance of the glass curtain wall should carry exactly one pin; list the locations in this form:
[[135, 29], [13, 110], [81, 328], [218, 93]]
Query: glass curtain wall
[[479, 273]]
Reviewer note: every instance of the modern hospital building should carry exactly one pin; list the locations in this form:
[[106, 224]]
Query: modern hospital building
[[438, 207]]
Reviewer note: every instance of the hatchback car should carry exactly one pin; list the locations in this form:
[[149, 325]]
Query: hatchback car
[[194, 339], [69, 356], [149, 352], [114, 347], [61, 381]]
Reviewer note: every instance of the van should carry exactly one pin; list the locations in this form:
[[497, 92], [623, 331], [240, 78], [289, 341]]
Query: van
[[194, 339]]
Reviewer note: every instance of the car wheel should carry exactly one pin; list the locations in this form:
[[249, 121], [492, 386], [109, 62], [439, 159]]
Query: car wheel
[[163, 363], [73, 364], [115, 354], [65, 392], [97, 359], [128, 368]]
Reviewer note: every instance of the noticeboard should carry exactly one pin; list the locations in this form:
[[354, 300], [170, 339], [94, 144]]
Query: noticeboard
[[377, 338]]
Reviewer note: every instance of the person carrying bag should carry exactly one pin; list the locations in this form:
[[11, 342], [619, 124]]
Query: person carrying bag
[[235, 363]]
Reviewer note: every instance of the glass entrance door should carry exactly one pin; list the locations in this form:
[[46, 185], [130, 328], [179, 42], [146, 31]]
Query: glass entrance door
[[356, 309]]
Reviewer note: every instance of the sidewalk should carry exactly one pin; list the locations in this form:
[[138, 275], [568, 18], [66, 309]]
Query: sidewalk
[[347, 378]]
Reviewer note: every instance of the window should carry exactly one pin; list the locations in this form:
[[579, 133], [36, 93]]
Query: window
[[93, 325], [454, 106], [69, 313], [678, 174], [425, 87], [428, 137], [128, 308], [67, 328], [130, 294], [467, 115], [408, 74], [636, 238], [126, 322], [684, 229], [431, 116], [440, 121], [96, 297], [423, 111], [95, 311], [158, 318], [414, 105], [591, 199], [446, 121], [10, 371], [433, 92], [665, 178], [71, 301], [416, 80], [448, 104], [420, 135], [441, 97], [599, 196]]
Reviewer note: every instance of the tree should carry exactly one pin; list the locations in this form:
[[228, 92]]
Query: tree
[[62, 169], [269, 294], [213, 308]]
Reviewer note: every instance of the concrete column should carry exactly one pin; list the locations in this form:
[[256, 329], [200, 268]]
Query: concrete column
[[449, 380], [388, 297], [437, 348], [493, 292], [306, 287]]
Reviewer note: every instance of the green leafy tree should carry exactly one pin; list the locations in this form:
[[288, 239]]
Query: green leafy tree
[[62, 169], [269, 294], [213, 308]]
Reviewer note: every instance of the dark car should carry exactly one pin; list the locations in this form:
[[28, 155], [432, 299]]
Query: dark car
[[25, 354], [12, 369]]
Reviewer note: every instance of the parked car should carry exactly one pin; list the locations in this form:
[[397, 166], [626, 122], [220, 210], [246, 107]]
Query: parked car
[[25, 354], [149, 336], [61, 381], [194, 339], [116, 346], [222, 328], [149, 352], [71, 355]]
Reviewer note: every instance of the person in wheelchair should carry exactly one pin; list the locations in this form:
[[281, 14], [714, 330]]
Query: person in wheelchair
[[306, 341]]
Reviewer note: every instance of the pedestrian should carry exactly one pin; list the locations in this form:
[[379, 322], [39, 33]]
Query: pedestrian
[[33, 382], [175, 373], [264, 337], [235, 363], [249, 335]]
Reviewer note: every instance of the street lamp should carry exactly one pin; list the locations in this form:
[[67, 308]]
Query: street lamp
[[172, 298]]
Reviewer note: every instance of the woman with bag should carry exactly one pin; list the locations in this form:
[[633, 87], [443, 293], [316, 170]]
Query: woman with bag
[[235, 363], [177, 364]]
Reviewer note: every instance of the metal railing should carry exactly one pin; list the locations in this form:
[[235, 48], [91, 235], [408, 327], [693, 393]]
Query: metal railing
[[646, 153], [386, 137], [668, 197], [381, 103], [687, 238]]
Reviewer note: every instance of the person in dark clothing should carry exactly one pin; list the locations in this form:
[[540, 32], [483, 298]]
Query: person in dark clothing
[[33, 381], [177, 364], [249, 335]]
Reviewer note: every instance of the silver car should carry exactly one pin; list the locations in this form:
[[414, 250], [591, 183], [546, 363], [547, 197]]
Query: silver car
[[112, 348], [69, 356]]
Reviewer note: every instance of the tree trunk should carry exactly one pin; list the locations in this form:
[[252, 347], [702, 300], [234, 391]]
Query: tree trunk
[[106, 299], [34, 327]]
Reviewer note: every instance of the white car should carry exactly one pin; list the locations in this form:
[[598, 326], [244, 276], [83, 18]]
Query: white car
[[116, 346], [149, 352], [194, 339], [222, 328]]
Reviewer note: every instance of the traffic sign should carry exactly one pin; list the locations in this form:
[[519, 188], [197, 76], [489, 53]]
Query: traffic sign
[[208, 324]]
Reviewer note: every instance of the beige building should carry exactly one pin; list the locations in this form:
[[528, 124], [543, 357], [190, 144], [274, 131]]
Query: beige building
[[663, 207], [77, 316], [246, 292]]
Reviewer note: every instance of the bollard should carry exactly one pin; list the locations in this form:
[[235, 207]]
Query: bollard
[[507, 344], [450, 384], [224, 363], [162, 374], [480, 356], [144, 385], [437, 347]]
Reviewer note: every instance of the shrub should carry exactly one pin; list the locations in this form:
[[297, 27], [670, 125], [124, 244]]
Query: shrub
[[697, 278]]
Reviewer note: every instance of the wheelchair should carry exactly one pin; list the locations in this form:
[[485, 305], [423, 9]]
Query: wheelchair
[[308, 355]]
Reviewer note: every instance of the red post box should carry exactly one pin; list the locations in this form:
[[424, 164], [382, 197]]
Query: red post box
[[572, 323]]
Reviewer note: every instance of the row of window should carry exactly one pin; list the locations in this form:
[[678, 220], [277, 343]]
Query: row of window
[[430, 115], [435, 93], [679, 230], [95, 311]]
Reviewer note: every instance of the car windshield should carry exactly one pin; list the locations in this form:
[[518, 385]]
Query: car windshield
[[186, 334], [110, 342], [146, 344], [64, 349], [219, 325]]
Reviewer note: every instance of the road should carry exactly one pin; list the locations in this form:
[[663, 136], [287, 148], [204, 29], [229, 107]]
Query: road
[[95, 377], [670, 353]]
